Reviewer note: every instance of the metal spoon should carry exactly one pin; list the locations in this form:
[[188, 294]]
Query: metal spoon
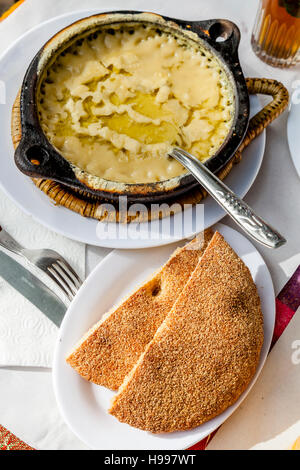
[[240, 212]]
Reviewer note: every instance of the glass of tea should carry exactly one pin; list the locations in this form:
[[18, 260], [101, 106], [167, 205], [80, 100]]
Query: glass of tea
[[276, 34]]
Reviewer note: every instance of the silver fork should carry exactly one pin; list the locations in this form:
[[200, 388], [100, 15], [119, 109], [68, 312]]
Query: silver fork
[[49, 261]]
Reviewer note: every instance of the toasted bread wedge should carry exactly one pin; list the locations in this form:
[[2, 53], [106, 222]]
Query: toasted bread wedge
[[107, 353], [204, 354]]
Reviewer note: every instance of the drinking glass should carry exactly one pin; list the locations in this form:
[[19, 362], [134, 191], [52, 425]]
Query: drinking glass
[[276, 34]]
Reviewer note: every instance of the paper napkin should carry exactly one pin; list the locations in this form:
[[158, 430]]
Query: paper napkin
[[27, 336]]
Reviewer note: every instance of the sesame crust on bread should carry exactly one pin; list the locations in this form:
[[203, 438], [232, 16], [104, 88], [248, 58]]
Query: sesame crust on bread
[[204, 354], [109, 350]]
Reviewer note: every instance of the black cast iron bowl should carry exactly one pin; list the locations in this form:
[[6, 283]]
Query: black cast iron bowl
[[37, 158]]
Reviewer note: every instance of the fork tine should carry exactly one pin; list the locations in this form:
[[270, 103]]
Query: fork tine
[[65, 271], [69, 271], [63, 278], [61, 285]]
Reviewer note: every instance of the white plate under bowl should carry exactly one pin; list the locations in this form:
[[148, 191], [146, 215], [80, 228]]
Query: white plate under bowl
[[83, 404], [31, 200], [293, 134]]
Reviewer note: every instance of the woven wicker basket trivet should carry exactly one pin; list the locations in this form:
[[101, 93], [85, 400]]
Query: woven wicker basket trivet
[[91, 206]]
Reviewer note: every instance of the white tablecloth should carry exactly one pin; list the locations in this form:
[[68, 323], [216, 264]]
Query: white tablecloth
[[27, 405]]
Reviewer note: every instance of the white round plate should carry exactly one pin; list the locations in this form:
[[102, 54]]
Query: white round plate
[[31, 200], [83, 404], [293, 134]]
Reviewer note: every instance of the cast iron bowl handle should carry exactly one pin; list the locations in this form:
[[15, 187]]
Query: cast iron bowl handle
[[36, 158], [222, 34]]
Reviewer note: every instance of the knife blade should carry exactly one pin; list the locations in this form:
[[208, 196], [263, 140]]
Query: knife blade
[[32, 288]]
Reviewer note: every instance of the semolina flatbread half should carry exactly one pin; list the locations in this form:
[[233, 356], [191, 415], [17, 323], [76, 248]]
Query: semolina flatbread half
[[204, 354], [109, 350]]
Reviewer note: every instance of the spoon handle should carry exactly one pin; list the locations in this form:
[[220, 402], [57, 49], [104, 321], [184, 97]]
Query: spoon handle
[[240, 212]]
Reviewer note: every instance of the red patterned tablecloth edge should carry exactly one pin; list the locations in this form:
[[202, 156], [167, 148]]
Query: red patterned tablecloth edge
[[8, 441]]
